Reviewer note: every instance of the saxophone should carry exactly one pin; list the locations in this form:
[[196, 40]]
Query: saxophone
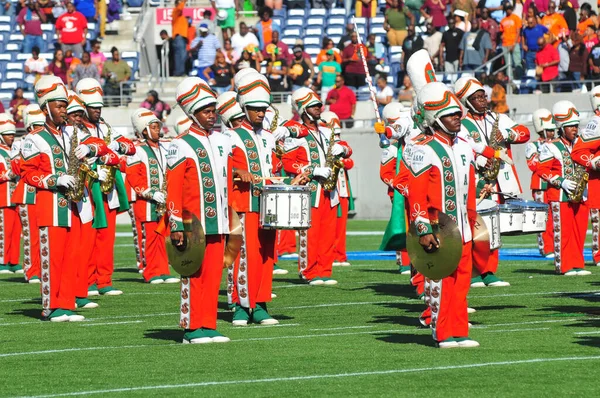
[[107, 185], [274, 124], [78, 169], [334, 163], [161, 208], [491, 173], [581, 177]]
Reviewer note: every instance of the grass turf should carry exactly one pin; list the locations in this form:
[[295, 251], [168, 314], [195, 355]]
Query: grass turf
[[538, 337]]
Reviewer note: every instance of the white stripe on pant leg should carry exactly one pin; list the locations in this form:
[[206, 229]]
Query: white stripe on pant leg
[[555, 206], [184, 310], [2, 248], [595, 230], [242, 276], [230, 268], [435, 299], [23, 215], [399, 258], [45, 269], [303, 253], [143, 254], [136, 244], [538, 196]]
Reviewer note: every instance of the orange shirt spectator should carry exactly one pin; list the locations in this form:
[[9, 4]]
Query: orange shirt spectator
[[191, 35], [179, 21], [498, 102], [510, 26], [582, 26], [556, 24], [322, 56]]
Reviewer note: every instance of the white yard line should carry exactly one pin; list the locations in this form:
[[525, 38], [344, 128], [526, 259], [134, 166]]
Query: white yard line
[[109, 323], [515, 330], [324, 376], [344, 328], [527, 323], [590, 332]]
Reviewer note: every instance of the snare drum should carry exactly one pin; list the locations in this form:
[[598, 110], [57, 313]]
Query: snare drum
[[489, 212], [535, 216], [285, 207], [511, 219]]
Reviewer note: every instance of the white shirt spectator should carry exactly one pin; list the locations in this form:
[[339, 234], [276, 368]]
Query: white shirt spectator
[[384, 93], [431, 43], [239, 42], [35, 66], [225, 4]]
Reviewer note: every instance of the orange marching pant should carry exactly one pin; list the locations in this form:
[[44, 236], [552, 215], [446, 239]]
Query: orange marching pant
[[545, 239], [87, 256], [316, 255], [154, 251], [59, 256], [286, 241], [595, 218], [253, 270], [31, 241], [570, 228], [448, 300], [10, 235], [200, 291], [340, 231], [102, 261]]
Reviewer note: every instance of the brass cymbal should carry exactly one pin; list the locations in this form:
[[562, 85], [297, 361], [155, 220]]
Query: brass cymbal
[[187, 259], [443, 261], [481, 243]]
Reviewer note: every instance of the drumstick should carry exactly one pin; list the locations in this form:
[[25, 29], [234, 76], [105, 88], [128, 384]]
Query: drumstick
[[264, 178], [481, 196]]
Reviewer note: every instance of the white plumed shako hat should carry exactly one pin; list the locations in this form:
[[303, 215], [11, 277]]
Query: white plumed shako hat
[[50, 88], [90, 92], [228, 108], [33, 116], [565, 114], [183, 124], [304, 98], [436, 101], [194, 93], [142, 118], [254, 90], [595, 98], [543, 120], [465, 87]]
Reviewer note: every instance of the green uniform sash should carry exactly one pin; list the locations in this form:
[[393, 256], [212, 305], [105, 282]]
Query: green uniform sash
[[58, 163], [450, 204], [394, 237], [254, 167]]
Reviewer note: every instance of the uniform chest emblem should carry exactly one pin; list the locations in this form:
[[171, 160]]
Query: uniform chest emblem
[[312, 144], [208, 182], [249, 144], [448, 176], [209, 197], [450, 191], [252, 155], [205, 167], [56, 149], [314, 156], [254, 167], [201, 152], [446, 161]]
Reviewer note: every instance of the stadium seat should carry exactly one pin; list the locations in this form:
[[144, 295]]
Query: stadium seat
[[14, 76], [377, 20], [292, 32], [335, 31], [378, 30], [8, 85], [336, 38], [337, 11], [47, 56], [296, 12], [14, 66], [360, 21], [25, 57], [362, 30], [6, 19], [12, 47], [5, 28], [5, 57], [312, 40], [16, 37], [318, 11], [6, 95], [29, 95], [47, 27], [336, 20], [315, 21], [295, 22], [290, 41], [129, 55], [279, 21], [314, 31]]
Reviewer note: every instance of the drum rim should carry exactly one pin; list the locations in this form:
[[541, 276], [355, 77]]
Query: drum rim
[[507, 208], [529, 204], [299, 188]]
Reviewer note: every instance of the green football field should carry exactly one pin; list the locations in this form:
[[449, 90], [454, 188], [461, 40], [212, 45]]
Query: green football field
[[539, 337]]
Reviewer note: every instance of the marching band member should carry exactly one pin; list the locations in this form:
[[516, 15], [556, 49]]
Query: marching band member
[[254, 160], [544, 125], [146, 175], [46, 157], [565, 193], [182, 125], [10, 231], [444, 154], [308, 155], [24, 195], [499, 132], [113, 199], [345, 192], [197, 180], [586, 153]]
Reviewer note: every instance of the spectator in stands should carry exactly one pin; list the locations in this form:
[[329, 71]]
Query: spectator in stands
[[431, 43], [102, 18], [306, 56], [179, 25], [35, 67], [461, 20], [226, 9], [87, 8], [569, 14], [327, 4], [98, 58], [85, 69], [160, 108], [489, 25], [435, 12], [219, 74], [115, 72], [414, 6], [284, 50], [113, 11], [207, 20], [299, 72], [384, 95], [265, 27], [531, 34], [16, 106], [449, 52], [231, 56], [328, 71], [396, 18], [555, 22], [323, 54], [496, 9], [406, 93], [342, 101], [498, 101], [510, 27], [541, 6], [563, 64], [366, 8], [591, 38], [51, 9], [412, 44], [546, 61], [58, 66], [578, 56], [354, 71], [594, 63], [475, 48], [274, 4], [71, 29], [467, 6], [241, 40], [191, 33], [249, 60], [73, 63], [585, 20], [2, 110], [6, 8], [277, 71], [207, 45], [30, 20], [345, 39]]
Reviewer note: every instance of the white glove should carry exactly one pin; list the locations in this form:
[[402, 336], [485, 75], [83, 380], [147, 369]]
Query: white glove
[[15, 148], [595, 163], [91, 161], [102, 174], [504, 156], [82, 151], [568, 185], [481, 161], [66, 181], [337, 150], [324, 172], [281, 133], [158, 197], [114, 146]]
